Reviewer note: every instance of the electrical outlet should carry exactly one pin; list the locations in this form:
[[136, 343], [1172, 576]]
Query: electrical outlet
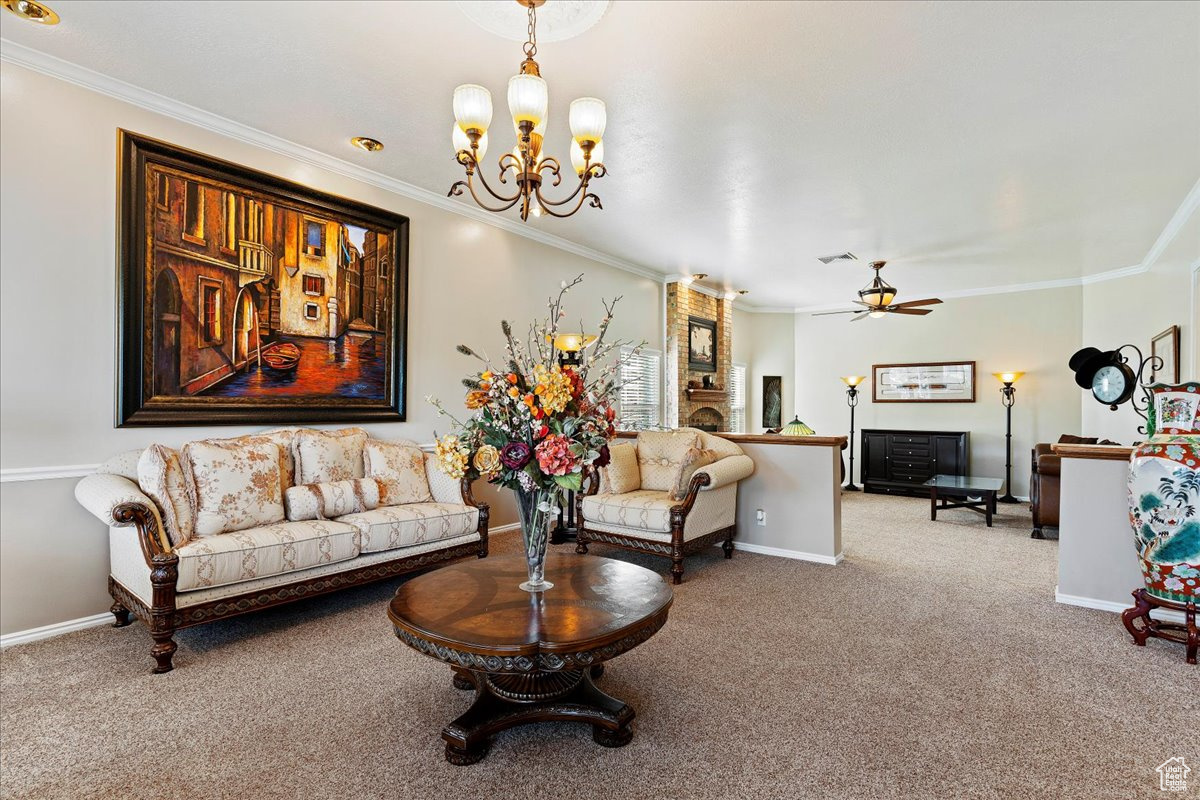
[[760, 517]]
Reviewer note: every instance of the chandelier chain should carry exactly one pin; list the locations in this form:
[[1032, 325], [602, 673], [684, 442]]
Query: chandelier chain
[[530, 46]]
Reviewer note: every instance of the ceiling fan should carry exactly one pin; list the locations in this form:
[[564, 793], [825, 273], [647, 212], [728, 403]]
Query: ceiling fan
[[877, 298]]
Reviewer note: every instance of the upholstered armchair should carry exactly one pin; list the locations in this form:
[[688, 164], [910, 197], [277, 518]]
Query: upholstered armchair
[[670, 494], [1044, 478]]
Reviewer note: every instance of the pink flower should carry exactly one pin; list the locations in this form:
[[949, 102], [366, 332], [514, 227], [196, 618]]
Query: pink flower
[[554, 455]]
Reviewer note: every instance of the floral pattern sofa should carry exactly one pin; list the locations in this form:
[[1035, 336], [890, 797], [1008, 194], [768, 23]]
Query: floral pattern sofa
[[228, 526], [671, 493]]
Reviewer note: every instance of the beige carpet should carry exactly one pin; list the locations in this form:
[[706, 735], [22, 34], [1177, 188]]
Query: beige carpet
[[933, 662]]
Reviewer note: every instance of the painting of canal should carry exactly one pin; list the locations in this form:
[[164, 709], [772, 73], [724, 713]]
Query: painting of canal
[[252, 295]]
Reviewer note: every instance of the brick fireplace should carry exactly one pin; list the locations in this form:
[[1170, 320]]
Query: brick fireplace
[[705, 408]]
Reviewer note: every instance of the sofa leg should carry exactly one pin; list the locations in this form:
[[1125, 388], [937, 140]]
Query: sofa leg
[[1037, 534], [120, 614], [727, 546], [163, 652], [581, 546], [677, 570]]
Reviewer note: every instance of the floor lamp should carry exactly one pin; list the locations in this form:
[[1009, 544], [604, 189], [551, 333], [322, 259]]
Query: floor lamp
[[852, 382], [1008, 393], [568, 346]]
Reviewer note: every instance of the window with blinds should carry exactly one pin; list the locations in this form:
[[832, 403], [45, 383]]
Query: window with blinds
[[737, 398], [640, 395]]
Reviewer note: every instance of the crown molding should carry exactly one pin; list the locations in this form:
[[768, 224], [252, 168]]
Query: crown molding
[[55, 67], [1182, 214]]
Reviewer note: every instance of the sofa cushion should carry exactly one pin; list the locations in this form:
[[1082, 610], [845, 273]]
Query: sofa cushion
[[693, 460], [622, 473], [644, 509], [660, 453], [263, 551], [160, 475], [326, 500], [400, 470], [329, 456], [401, 526], [233, 487]]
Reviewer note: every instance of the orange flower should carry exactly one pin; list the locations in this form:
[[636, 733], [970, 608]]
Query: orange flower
[[477, 399], [486, 376], [513, 392], [512, 377], [530, 400], [485, 386]]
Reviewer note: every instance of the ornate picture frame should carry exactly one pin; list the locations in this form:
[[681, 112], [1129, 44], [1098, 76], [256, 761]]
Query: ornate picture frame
[[246, 298], [928, 382], [702, 344], [1165, 345]]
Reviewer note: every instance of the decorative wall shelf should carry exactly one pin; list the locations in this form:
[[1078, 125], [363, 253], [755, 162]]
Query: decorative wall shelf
[[708, 395]]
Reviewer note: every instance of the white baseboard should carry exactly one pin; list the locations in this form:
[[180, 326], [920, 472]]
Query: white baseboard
[[46, 631], [1116, 608], [779, 552]]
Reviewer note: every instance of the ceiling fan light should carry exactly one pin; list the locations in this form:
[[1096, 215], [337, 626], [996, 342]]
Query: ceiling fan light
[[461, 141], [473, 107], [588, 118], [528, 98], [877, 314], [577, 160]]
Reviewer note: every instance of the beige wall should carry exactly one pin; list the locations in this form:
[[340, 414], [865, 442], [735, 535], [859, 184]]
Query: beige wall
[[57, 302], [797, 488], [1034, 331], [766, 344], [1131, 311]]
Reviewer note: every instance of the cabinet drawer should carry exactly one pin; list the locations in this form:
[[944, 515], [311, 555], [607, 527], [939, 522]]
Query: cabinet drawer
[[910, 462], [910, 474], [909, 450], [903, 439]]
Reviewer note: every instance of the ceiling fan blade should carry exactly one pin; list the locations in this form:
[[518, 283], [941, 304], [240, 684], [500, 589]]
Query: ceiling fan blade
[[930, 302], [914, 311], [862, 315], [827, 313]]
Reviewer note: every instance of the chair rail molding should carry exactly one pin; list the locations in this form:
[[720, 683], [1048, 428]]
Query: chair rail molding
[[52, 473]]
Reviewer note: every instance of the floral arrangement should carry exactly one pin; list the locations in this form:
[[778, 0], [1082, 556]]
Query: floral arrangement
[[536, 425]]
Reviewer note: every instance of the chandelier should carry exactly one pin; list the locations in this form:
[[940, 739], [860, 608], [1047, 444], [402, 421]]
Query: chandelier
[[525, 165]]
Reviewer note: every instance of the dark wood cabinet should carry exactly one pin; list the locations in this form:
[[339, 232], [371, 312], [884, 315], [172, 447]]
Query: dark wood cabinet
[[899, 461]]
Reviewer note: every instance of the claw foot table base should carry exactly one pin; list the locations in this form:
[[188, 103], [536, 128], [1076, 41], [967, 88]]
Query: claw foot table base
[[506, 701]]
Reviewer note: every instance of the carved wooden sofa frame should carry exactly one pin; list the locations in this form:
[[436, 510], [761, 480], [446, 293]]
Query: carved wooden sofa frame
[[677, 549], [163, 618]]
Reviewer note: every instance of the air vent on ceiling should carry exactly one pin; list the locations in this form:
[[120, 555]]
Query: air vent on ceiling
[[838, 257]]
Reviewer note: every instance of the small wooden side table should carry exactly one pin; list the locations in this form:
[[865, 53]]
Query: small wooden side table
[[531, 657]]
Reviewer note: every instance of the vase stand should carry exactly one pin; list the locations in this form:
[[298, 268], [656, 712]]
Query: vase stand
[[1186, 634], [504, 700]]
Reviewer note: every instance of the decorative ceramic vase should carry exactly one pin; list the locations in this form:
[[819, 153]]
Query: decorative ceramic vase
[[536, 509], [1164, 510]]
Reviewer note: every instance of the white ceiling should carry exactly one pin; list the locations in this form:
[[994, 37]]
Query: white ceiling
[[971, 144]]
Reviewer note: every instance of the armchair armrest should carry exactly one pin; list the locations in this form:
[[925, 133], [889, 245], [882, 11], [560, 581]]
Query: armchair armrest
[[1049, 464], [730, 469], [119, 502]]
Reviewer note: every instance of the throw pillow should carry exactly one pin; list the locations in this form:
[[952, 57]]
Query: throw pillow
[[282, 438], [400, 470], [622, 474], [331, 500], [660, 453], [233, 488], [329, 456], [161, 476], [694, 460]]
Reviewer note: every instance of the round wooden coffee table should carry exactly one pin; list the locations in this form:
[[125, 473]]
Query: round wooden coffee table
[[531, 657]]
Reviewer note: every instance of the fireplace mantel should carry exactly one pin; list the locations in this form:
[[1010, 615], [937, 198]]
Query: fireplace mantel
[[708, 395]]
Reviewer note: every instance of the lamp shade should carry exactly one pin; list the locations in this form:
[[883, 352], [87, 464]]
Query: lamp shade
[[796, 428], [461, 141], [571, 342], [528, 98], [853, 380], [1008, 377], [588, 118], [472, 107], [577, 156]]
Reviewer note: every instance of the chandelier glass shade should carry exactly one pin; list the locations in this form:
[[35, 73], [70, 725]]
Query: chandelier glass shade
[[524, 169]]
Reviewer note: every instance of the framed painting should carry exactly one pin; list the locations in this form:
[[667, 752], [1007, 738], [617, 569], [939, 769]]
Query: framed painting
[[1165, 346], [702, 344], [934, 382], [772, 401], [246, 298]]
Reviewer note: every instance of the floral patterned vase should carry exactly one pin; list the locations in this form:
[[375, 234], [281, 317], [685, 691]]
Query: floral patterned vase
[[1164, 511]]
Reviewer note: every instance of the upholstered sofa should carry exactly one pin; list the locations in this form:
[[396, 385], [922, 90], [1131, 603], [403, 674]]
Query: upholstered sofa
[[173, 564], [662, 502], [1045, 466]]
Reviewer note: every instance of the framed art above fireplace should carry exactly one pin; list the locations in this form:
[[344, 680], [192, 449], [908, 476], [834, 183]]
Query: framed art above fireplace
[[246, 298], [702, 344]]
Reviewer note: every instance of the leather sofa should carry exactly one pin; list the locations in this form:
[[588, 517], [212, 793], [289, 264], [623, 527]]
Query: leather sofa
[[1044, 481], [171, 582]]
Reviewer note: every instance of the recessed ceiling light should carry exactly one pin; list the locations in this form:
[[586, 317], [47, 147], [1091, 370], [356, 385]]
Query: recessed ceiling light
[[743, 291], [32, 11], [699, 276], [363, 142]]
